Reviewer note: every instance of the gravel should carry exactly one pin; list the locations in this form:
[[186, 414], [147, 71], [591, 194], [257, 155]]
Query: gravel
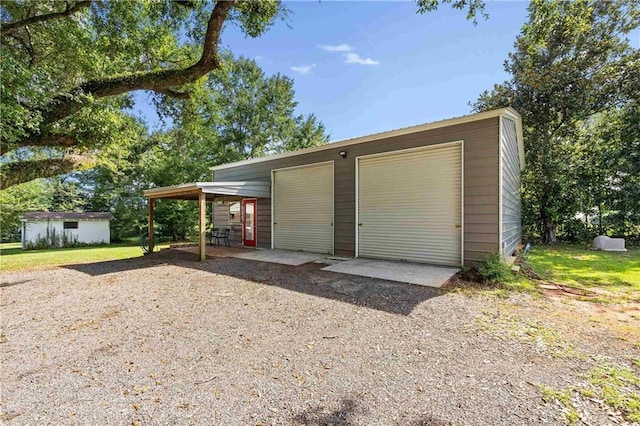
[[168, 340]]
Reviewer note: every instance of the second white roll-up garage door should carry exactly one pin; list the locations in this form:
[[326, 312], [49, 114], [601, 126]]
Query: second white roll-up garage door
[[303, 208], [410, 205]]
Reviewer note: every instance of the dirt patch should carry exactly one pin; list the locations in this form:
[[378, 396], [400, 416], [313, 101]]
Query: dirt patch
[[165, 339]]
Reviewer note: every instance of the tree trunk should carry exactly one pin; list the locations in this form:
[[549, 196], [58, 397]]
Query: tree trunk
[[600, 219], [548, 230]]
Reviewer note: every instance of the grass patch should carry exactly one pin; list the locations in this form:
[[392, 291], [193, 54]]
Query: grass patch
[[564, 399], [615, 385], [616, 273], [13, 258], [528, 330], [619, 387]]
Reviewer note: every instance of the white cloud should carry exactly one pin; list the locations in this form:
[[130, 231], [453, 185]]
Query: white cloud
[[303, 69], [354, 58], [257, 58], [337, 48]]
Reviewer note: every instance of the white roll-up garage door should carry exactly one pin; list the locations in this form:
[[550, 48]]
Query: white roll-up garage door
[[303, 208], [410, 205]]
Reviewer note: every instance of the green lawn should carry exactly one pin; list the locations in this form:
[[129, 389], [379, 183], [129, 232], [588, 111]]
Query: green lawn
[[12, 257], [580, 266]]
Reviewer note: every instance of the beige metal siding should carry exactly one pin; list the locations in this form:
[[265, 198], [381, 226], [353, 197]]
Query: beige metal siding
[[303, 208], [409, 205], [221, 220], [511, 214], [481, 183], [263, 228]]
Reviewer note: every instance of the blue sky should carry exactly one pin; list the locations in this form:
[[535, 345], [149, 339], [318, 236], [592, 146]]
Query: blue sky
[[367, 67]]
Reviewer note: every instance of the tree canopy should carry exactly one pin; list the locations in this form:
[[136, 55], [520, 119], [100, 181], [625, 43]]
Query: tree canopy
[[570, 63], [69, 66], [237, 112]]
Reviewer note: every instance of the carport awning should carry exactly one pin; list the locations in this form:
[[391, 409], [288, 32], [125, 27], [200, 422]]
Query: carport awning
[[192, 191]]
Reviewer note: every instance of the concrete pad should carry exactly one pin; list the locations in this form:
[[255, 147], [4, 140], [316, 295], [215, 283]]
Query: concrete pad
[[285, 257], [404, 272]]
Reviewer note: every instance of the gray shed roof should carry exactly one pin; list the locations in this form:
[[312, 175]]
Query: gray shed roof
[[31, 216]]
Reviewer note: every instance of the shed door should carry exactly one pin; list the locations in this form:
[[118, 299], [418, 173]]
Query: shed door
[[303, 208], [410, 205]]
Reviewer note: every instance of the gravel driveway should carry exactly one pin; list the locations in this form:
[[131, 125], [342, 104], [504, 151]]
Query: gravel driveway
[[167, 340]]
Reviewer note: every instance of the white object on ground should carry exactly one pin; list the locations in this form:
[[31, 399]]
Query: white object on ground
[[602, 242]]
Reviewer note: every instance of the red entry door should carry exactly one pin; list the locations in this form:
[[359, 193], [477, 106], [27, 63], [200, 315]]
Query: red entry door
[[249, 213]]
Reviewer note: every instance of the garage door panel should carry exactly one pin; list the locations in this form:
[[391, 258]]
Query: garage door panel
[[409, 206], [303, 208]]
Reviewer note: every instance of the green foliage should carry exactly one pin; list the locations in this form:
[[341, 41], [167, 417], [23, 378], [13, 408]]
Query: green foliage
[[52, 239], [16, 200], [17, 119], [571, 61], [618, 385], [65, 196], [609, 170], [236, 113], [495, 269], [475, 8], [66, 78], [68, 67], [564, 398], [256, 17], [116, 184], [254, 113]]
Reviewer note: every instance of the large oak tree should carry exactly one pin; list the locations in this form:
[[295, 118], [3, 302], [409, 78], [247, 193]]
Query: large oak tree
[[68, 67]]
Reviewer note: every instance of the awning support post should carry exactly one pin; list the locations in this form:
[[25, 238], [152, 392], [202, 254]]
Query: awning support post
[[202, 204], [152, 202]]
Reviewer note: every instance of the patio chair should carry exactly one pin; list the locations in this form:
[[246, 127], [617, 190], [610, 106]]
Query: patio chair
[[212, 235], [224, 235]]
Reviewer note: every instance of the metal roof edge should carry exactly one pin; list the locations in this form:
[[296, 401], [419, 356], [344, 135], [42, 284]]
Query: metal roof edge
[[368, 138], [191, 186], [164, 189]]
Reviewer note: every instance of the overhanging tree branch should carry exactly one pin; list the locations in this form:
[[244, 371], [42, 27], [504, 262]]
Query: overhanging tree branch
[[162, 81], [25, 171], [11, 27], [46, 139]]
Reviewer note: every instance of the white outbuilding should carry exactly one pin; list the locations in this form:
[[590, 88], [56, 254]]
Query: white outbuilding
[[57, 229]]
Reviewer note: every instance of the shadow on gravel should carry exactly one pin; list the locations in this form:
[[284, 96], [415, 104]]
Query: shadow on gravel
[[11, 284], [347, 414], [372, 293], [343, 416], [431, 421]]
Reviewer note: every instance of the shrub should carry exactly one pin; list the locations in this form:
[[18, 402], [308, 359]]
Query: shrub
[[576, 231], [495, 269]]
